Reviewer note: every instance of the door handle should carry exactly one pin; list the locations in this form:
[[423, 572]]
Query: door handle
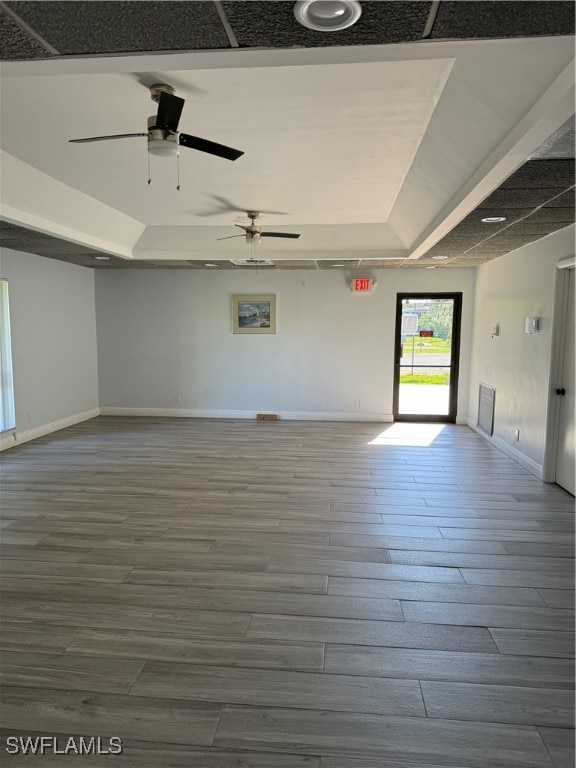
[[561, 391]]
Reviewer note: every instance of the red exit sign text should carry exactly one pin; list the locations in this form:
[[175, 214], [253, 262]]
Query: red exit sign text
[[362, 285]]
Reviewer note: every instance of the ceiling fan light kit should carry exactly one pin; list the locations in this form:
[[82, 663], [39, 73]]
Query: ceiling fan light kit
[[327, 15], [254, 234], [163, 136]]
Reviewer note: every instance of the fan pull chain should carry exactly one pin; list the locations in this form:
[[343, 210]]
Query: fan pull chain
[[178, 170], [149, 171]]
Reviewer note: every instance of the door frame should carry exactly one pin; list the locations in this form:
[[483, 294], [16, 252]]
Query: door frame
[[450, 417], [559, 321]]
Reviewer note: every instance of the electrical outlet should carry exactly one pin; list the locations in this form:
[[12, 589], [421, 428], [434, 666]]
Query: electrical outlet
[[176, 400], [356, 403], [29, 418], [517, 435]]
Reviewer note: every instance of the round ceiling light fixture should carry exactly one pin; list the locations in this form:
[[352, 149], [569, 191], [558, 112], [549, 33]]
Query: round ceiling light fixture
[[210, 265], [439, 258], [327, 15], [493, 219], [102, 258]]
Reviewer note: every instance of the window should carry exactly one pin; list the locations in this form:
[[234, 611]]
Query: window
[[7, 418]]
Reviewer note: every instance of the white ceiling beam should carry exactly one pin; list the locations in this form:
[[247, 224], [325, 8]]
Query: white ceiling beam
[[36, 201], [551, 111]]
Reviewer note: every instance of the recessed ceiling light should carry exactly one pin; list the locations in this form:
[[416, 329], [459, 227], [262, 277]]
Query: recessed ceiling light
[[210, 265], [439, 258], [431, 267], [337, 265], [102, 258], [493, 219], [327, 15]]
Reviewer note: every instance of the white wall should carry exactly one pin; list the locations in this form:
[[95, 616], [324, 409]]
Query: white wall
[[508, 289], [54, 355], [167, 333]]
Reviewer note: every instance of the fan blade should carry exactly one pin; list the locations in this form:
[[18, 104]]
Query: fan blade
[[228, 205], [203, 145], [241, 227], [279, 234], [229, 238], [106, 138], [169, 111]]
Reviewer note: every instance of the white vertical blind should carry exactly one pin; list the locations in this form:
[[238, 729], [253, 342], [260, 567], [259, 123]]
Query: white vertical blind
[[7, 417]]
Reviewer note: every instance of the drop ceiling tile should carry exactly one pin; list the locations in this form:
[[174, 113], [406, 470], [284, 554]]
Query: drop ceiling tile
[[272, 24], [136, 264], [418, 264], [53, 246], [532, 227], [429, 261], [331, 263], [380, 263], [472, 232], [560, 145], [176, 264], [289, 264], [511, 215], [497, 18], [115, 27], [483, 255], [260, 268], [565, 200], [547, 214], [462, 239], [460, 262], [16, 43], [541, 174], [521, 198], [8, 236], [442, 249], [505, 243]]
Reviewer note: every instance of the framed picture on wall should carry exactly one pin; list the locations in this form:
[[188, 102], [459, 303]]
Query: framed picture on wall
[[254, 313]]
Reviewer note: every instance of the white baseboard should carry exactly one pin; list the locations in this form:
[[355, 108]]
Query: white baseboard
[[13, 437], [519, 457], [199, 413]]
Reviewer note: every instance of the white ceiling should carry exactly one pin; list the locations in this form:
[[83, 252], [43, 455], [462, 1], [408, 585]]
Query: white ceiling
[[369, 150]]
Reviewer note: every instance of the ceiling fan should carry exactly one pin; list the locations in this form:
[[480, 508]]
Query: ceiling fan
[[253, 233], [163, 135]]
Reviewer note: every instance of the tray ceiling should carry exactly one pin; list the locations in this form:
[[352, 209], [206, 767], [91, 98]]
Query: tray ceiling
[[383, 145]]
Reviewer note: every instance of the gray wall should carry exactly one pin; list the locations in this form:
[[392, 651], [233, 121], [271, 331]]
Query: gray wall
[[509, 289], [53, 323], [166, 334]]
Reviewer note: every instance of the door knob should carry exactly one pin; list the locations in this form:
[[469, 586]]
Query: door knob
[[561, 391]]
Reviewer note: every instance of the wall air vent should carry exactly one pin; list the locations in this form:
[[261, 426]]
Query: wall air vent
[[252, 263], [486, 401]]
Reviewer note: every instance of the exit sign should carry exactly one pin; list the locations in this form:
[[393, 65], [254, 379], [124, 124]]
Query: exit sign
[[362, 285]]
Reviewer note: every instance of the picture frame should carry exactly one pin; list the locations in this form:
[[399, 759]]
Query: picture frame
[[254, 313]]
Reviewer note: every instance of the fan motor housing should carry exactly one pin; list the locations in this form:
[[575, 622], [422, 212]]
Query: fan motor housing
[[160, 140]]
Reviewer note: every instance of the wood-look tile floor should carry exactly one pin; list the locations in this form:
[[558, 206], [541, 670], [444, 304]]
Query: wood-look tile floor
[[248, 594]]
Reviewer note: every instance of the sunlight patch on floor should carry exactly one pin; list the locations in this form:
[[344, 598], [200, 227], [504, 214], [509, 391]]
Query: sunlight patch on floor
[[408, 434]]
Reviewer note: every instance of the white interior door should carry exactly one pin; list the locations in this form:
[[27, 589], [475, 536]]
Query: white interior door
[[565, 463]]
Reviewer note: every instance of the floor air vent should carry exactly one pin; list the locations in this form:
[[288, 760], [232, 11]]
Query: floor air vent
[[486, 401]]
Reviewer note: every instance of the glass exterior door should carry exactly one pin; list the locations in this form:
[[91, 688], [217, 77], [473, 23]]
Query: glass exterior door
[[427, 347]]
